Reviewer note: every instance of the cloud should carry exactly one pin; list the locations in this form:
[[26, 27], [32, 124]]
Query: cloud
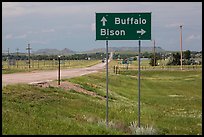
[[79, 26], [93, 26], [173, 25], [57, 21], [20, 36], [40, 31], [38, 42], [11, 9], [193, 37], [48, 30], [9, 36], [32, 32], [16, 9]]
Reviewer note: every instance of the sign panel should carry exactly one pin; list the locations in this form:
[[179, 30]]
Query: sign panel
[[123, 26]]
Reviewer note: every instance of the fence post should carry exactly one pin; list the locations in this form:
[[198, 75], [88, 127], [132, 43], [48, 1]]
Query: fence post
[[33, 62]]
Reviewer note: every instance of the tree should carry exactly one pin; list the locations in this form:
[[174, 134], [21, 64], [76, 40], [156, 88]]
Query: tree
[[152, 62], [146, 55], [187, 54], [175, 59]]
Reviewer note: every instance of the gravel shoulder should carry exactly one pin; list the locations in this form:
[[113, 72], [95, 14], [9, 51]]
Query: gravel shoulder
[[40, 76]]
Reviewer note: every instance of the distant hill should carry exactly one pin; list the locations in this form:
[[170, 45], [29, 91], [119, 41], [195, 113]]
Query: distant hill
[[110, 49], [126, 49], [53, 52]]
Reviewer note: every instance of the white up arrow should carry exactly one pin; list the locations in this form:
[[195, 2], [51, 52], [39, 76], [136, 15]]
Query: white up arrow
[[103, 20], [141, 31]]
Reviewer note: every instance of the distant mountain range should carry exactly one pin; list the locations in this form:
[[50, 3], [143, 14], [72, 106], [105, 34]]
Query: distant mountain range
[[126, 49], [110, 49], [53, 52]]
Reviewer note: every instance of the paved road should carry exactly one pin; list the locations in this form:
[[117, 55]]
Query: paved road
[[39, 76]]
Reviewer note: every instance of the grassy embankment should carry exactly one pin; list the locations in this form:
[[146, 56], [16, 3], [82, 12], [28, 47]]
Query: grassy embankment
[[171, 102]]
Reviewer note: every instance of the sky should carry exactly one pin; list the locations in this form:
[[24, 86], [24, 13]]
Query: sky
[[59, 25]]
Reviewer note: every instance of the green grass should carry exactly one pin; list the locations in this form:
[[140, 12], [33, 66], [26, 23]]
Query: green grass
[[46, 65], [32, 110], [171, 103], [160, 107]]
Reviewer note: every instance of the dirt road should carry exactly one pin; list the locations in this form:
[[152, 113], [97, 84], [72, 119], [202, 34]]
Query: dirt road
[[39, 76]]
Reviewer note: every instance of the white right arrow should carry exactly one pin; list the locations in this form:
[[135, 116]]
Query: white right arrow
[[103, 20], [141, 31]]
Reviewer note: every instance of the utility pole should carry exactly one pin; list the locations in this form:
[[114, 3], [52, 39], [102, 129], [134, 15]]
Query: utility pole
[[154, 55], [28, 48], [8, 51], [181, 44], [8, 57], [17, 56]]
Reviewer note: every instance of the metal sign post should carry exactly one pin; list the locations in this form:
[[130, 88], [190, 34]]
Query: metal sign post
[[59, 71], [139, 86], [106, 83]]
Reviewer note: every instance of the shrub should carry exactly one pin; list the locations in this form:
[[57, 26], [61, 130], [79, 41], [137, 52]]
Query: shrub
[[141, 130]]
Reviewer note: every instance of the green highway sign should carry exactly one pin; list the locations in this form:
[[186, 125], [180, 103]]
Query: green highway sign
[[123, 26]]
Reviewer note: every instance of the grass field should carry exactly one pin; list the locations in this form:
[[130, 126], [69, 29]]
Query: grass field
[[171, 103], [144, 64], [22, 66]]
